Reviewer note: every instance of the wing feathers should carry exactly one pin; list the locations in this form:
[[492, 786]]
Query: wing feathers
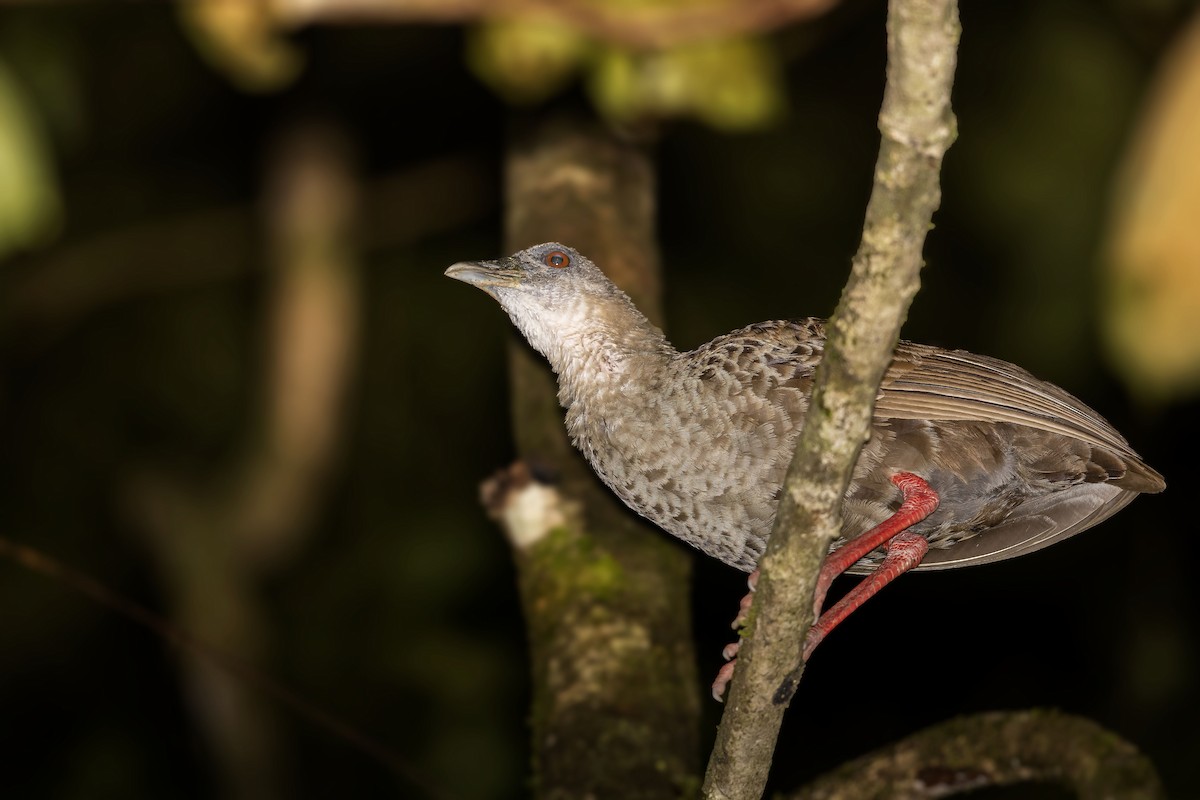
[[930, 384]]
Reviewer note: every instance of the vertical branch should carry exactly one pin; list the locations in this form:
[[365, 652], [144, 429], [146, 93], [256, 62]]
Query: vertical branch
[[212, 539], [616, 699], [311, 208], [917, 127]]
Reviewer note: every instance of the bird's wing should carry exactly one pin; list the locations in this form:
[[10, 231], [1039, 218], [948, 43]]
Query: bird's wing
[[1040, 523], [929, 383]]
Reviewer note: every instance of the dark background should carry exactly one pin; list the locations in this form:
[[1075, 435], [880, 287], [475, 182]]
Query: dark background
[[399, 612]]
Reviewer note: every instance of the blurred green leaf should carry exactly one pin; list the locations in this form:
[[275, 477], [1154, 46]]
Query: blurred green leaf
[[30, 207], [731, 84], [525, 61]]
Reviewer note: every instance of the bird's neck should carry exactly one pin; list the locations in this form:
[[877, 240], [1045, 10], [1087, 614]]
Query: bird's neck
[[597, 346]]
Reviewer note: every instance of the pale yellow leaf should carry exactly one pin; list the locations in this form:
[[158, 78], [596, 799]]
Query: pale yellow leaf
[[243, 39], [1152, 291]]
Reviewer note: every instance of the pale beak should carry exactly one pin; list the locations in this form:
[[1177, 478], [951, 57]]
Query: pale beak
[[486, 274]]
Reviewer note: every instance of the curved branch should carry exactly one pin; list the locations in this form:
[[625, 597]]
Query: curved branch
[[917, 127], [649, 25], [998, 748]]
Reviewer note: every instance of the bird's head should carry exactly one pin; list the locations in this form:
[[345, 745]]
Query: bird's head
[[551, 292], [549, 274]]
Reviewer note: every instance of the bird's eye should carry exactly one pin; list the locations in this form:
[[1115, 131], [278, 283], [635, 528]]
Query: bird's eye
[[557, 259]]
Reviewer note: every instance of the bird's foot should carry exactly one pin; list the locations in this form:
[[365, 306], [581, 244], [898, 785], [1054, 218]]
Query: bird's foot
[[725, 674], [744, 607]]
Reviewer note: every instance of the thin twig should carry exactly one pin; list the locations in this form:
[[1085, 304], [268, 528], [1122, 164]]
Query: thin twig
[[917, 127], [37, 561]]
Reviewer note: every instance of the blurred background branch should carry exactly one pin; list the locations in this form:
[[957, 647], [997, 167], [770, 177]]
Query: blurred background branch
[[212, 542], [615, 689], [61, 288], [646, 23], [1002, 748]]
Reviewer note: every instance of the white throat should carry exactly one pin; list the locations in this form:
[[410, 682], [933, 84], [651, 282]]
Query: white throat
[[589, 342]]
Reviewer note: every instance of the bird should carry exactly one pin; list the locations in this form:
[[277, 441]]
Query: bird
[[970, 459]]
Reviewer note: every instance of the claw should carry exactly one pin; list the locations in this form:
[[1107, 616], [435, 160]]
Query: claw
[[724, 676]]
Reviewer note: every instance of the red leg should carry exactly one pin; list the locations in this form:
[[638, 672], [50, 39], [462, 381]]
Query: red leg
[[920, 500], [905, 551]]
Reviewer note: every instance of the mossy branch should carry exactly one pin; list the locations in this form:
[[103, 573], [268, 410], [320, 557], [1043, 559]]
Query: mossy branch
[[999, 748], [917, 128], [616, 697]]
